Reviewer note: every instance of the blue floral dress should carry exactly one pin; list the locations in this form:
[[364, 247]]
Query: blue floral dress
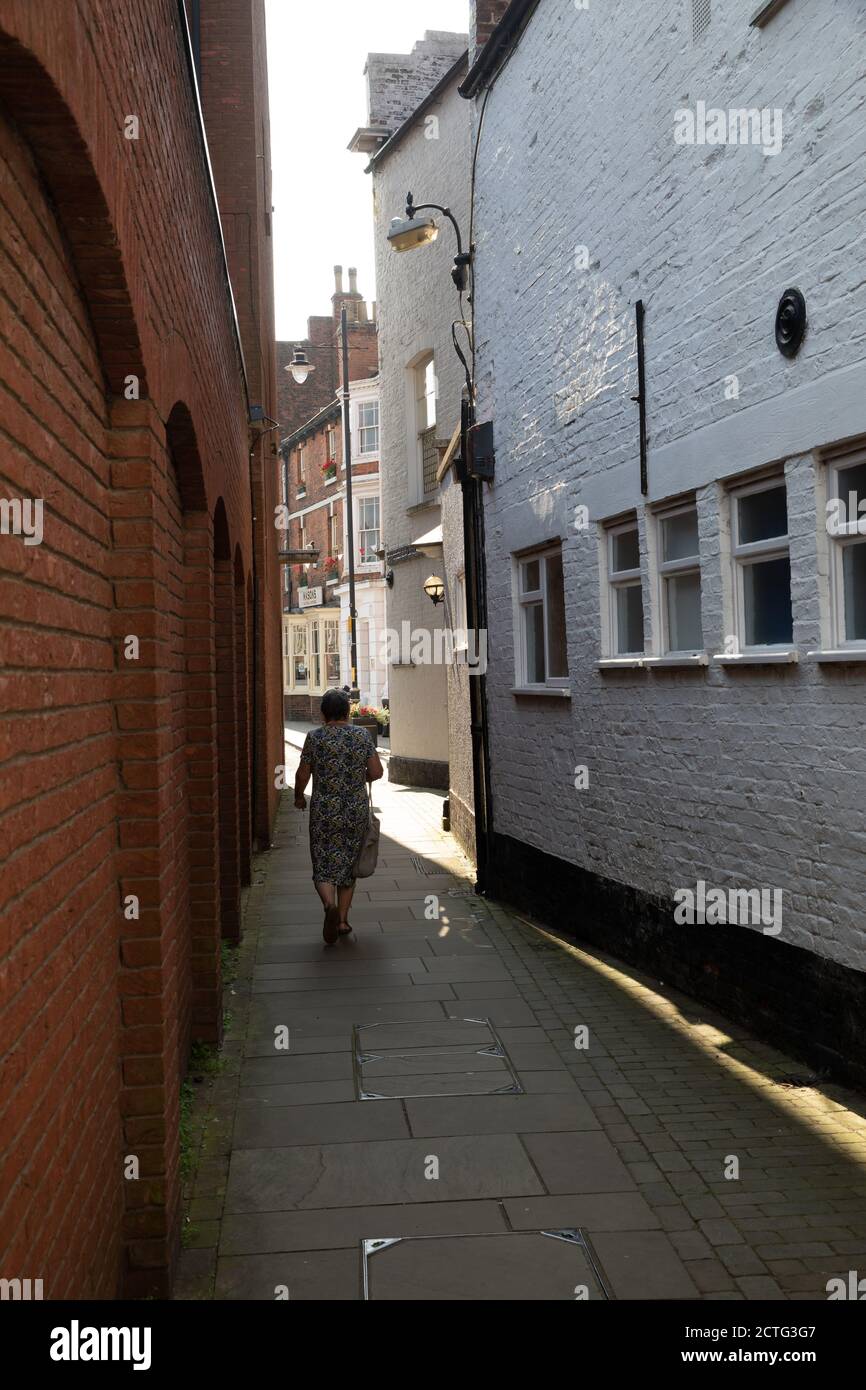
[[339, 814]]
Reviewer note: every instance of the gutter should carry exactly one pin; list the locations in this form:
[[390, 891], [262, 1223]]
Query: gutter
[[498, 46]]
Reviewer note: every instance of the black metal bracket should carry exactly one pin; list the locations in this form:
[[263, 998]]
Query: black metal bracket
[[640, 398]]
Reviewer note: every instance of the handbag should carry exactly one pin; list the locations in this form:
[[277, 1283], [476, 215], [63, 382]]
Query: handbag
[[368, 854]]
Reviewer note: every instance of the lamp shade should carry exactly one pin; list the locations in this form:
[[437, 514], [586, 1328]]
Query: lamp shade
[[434, 589], [300, 366], [405, 234]]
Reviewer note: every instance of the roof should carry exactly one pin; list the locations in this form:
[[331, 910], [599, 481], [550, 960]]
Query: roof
[[498, 46], [328, 412], [430, 100]]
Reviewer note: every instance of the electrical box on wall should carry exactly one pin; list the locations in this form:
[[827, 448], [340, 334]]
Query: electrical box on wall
[[481, 458]]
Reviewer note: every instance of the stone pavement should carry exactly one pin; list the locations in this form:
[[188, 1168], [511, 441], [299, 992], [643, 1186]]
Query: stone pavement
[[625, 1141]]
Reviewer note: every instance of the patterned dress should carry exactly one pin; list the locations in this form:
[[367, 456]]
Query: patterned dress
[[339, 812]]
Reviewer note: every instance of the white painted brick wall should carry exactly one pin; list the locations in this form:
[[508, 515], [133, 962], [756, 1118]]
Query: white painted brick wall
[[752, 777], [417, 304]]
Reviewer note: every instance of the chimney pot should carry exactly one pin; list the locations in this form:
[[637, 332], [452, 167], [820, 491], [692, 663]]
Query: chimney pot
[[353, 280], [338, 278]]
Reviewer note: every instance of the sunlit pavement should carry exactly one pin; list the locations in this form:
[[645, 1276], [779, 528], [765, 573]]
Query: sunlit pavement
[[617, 1148]]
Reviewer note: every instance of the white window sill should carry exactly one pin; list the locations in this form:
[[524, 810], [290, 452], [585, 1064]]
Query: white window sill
[[621, 663], [559, 692], [768, 658], [840, 656], [329, 482], [671, 662]]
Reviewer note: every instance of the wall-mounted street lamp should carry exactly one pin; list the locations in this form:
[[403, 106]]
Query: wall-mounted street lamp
[[434, 589], [405, 233], [300, 366]]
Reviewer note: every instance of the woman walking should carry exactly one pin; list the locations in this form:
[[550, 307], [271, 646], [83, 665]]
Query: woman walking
[[341, 760]]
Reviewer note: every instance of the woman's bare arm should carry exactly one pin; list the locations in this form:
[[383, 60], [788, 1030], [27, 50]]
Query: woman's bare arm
[[302, 777], [375, 769]]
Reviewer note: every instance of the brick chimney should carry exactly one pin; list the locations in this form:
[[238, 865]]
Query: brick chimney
[[484, 17]]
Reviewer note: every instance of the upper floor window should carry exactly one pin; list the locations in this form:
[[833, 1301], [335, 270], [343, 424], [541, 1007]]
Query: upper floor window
[[541, 647], [368, 427], [763, 614], [368, 530], [425, 418], [302, 469], [332, 445], [625, 590], [846, 524], [679, 569]]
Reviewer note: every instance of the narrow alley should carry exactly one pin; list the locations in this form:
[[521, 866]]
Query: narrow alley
[[555, 1125]]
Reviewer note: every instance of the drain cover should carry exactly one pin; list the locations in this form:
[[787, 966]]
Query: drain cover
[[524, 1265], [454, 1057]]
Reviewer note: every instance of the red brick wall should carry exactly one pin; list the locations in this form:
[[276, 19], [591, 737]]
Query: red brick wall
[[234, 95], [486, 15], [109, 768]]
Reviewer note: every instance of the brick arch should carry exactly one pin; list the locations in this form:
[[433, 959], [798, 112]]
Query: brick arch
[[32, 99]]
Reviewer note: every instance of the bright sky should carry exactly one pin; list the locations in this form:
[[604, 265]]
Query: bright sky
[[322, 197]]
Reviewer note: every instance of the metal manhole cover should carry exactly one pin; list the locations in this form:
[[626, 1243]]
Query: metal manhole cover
[[557, 1265], [454, 1057]]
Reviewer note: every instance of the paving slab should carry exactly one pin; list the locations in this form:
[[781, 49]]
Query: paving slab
[[260, 1124], [348, 1226], [268, 1012], [578, 1163], [505, 1268], [385, 1171], [616, 1211], [331, 970], [361, 985], [318, 1092], [643, 1265], [320, 1276], [500, 1115]]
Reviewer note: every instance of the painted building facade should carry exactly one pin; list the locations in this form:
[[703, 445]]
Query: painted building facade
[[678, 653], [316, 639], [417, 139]]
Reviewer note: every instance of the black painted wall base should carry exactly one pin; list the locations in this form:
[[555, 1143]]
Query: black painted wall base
[[803, 1003]]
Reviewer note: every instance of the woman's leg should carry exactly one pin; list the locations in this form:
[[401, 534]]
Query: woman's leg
[[326, 892], [331, 928], [344, 902]]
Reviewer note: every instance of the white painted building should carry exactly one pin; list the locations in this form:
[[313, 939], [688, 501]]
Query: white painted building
[[418, 139], [677, 677]]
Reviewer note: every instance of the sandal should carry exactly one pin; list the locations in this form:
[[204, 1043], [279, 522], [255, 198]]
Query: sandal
[[331, 929]]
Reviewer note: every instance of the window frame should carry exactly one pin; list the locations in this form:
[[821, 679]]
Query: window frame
[[848, 534], [666, 569], [621, 579], [362, 499], [750, 552], [530, 599], [371, 404]]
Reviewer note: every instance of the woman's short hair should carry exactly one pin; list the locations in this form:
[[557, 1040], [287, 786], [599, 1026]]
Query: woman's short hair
[[335, 704]]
